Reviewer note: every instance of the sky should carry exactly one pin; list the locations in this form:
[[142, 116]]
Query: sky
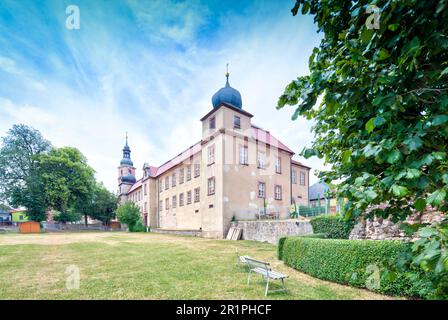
[[148, 68]]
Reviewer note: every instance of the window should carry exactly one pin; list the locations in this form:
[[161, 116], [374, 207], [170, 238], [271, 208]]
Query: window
[[144, 188], [236, 122], [189, 197], [294, 176], [167, 203], [174, 202], [167, 183], [196, 195], [278, 192], [197, 170], [160, 205], [212, 123], [261, 190], [173, 180], [146, 207], [211, 186], [189, 172], [261, 160], [211, 155], [278, 165], [302, 178], [244, 155], [181, 200], [181, 175], [160, 185]]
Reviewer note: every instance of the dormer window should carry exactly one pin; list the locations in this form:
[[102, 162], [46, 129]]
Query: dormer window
[[236, 122], [212, 123]]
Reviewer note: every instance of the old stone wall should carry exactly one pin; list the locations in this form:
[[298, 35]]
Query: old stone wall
[[385, 229], [272, 230]]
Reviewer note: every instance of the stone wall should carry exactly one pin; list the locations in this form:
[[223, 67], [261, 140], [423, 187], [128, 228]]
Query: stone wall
[[272, 230], [385, 229]]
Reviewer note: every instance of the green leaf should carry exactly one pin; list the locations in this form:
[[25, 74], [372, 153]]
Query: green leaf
[[393, 27], [440, 119], [393, 156], [413, 143], [370, 125], [437, 197], [346, 156], [383, 54], [399, 191], [420, 204], [371, 195], [413, 173]]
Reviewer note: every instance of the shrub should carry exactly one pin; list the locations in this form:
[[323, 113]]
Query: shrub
[[129, 214], [333, 226], [315, 235], [350, 262]]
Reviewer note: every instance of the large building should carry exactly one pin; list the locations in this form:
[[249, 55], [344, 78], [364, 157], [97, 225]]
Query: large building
[[236, 171]]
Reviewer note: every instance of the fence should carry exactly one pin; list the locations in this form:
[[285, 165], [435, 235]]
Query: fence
[[311, 211], [79, 227]]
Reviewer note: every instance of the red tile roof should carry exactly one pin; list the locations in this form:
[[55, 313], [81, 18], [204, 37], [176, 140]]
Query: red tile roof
[[135, 186], [297, 163], [258, 134], [266, 137]]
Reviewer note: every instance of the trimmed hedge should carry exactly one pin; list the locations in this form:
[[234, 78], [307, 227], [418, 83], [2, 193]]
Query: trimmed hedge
[[347, 261], [333, 226]]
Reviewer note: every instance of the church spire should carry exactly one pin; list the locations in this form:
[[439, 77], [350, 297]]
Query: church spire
[[126, 154]]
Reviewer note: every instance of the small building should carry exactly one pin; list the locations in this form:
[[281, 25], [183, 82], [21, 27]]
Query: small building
[[5, 216], [19, 215], [320, 196]]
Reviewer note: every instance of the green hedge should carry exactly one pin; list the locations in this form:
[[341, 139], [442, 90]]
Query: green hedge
[[333, 226], [347, 261]]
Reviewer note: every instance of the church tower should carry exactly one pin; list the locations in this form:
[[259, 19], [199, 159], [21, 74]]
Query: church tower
[[126, 172]]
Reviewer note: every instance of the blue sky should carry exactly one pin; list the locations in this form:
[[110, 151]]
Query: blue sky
[[149, 68]]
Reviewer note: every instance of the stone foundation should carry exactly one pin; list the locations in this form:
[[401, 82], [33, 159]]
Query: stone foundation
[[385, 229], [193, 233], [272, 230]]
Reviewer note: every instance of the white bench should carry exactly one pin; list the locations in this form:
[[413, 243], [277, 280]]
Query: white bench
[[241, 260], [266, 272]]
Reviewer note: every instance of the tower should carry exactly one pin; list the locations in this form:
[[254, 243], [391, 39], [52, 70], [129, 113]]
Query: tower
[[126, 172]]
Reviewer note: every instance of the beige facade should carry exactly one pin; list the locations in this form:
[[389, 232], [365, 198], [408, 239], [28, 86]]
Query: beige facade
[[237, 171]]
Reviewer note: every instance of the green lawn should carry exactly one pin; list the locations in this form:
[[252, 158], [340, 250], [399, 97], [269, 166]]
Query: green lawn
[[146, 266]]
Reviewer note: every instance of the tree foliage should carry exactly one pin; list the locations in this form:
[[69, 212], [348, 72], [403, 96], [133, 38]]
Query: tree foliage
[[103, 204], [66, 177], [129, 214], [379, 99], [19, 184]]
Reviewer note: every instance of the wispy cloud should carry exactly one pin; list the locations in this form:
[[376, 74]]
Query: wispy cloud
[[149, 68]]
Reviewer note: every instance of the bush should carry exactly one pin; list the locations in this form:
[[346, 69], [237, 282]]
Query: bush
[[333, 226], [129, 214], [350, 262]]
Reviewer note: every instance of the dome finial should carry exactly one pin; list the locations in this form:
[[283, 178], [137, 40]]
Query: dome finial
[[126, 138], [227, 74]]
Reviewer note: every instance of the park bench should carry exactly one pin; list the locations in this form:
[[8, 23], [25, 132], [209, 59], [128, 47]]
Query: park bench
[[241, 260], [266, 272]]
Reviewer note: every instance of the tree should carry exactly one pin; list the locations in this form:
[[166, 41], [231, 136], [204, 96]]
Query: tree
[[129, 214], [103, 204], [19, 185], [71, 215], [66, 178], [383, 117]]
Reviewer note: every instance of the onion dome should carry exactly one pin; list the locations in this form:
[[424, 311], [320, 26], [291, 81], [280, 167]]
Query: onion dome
[[126, 161], [227, 95], [128, 178]]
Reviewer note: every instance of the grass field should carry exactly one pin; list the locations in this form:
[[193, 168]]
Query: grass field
[[146, 266]]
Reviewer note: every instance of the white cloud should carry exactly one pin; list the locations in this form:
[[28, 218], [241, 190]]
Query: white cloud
[[159, 97]]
